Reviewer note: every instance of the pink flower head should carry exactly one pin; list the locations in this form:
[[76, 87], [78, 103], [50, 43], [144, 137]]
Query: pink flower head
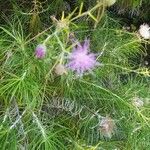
[[81, 60], [40, 51]]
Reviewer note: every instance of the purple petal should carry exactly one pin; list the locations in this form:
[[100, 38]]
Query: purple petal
[[86, 44], [81, 60], [40, 51]]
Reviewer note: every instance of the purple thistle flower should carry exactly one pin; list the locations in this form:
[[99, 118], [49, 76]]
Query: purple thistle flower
[[81, 60], [40, 51]]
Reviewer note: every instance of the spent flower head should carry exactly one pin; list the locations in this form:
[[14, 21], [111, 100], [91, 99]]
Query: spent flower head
[[144, 31], [81, 60], [107, 127], [60, 69], [137, 102], [40, 51], [61, 24]]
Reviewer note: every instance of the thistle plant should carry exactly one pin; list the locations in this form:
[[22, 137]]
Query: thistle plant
[[45, 105]]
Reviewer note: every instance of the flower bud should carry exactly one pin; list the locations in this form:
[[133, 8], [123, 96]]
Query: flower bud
[[60, 69], [40, 51]]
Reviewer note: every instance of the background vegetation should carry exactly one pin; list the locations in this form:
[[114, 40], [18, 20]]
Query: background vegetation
[[41, 110]]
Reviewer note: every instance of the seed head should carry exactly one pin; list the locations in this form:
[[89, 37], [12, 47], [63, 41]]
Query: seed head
[[107, 126], [144, 31], [137, 102]]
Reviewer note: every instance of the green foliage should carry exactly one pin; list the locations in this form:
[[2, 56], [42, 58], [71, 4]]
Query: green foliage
[[136, 10], [40, 110]]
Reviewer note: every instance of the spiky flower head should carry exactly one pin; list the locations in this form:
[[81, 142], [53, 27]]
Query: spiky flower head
[[138, 102], [107, 127], [144, 31], [40, 51], [81, 60], [60, 69]]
